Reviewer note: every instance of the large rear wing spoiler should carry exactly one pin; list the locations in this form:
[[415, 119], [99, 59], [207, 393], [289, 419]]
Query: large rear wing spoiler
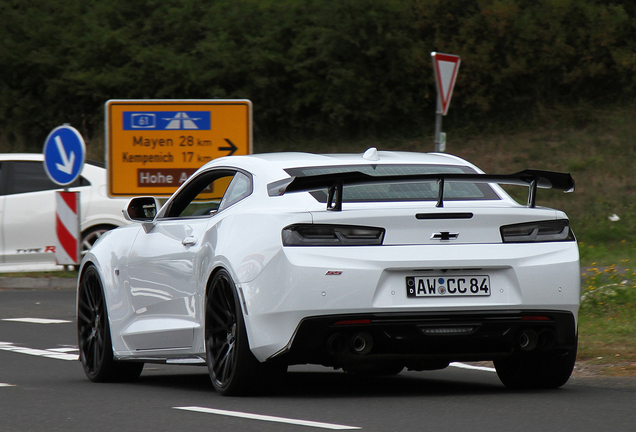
[[334, 183]]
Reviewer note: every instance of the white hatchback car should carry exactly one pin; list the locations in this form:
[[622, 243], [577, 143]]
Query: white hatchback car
[[370, 263], [27, 211]]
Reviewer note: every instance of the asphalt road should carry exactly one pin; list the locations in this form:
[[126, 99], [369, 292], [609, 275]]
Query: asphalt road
[[43, 388]]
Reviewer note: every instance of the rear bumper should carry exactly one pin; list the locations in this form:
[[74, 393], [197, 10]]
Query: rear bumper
[[424, 340], [301, 283]]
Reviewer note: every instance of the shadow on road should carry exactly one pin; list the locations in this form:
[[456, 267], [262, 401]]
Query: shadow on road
[[331, 384]]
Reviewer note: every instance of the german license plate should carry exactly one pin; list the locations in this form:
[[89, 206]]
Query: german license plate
[[437, 286]]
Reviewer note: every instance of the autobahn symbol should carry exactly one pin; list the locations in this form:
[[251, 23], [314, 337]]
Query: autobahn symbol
[[182, 121], [64, 153], [166, 120]]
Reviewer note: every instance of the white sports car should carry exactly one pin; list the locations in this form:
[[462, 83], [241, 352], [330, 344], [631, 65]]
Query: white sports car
[[370, 263]]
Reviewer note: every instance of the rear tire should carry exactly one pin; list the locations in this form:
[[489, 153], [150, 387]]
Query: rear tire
[[233, 368], [545, 370], [93, 334]]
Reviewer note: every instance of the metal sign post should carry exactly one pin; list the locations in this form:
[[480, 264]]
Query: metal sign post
[[445, 67], [438, 129]]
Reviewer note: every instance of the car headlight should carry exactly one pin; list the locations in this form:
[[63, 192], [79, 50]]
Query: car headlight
[[331, 235], [543, 231]]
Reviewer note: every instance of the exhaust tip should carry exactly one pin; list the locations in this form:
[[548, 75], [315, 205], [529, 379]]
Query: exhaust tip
[[338, 343], [528, 340], [362, 343], [547, 339]]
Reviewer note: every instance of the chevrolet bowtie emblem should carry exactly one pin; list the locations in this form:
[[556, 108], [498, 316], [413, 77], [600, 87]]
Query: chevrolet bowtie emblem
[[444, 235]]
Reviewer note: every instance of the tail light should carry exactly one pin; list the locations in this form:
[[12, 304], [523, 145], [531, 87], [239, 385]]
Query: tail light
[[542, 231], [331, 235]]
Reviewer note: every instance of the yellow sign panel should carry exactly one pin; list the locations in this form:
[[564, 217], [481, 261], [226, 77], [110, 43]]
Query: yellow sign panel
[[153, 146]]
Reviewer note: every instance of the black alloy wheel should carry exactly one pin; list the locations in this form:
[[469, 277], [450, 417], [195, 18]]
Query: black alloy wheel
[[93, 331], [232, 366]]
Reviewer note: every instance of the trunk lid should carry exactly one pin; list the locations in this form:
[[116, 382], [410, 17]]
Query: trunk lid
[[417, 224]]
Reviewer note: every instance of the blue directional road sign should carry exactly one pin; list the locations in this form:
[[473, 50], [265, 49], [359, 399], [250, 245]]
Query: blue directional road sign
[[64, 153]]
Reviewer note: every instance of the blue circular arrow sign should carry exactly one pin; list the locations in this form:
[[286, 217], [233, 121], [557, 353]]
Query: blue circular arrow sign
[[64, 153]]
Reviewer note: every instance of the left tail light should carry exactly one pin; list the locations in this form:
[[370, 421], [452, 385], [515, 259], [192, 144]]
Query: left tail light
[[331, 235]]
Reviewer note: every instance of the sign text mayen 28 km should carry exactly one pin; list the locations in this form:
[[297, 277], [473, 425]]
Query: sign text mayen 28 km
[[152, 146]]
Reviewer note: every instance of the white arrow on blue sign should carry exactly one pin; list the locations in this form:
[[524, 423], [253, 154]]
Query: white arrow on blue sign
[[64, 153]]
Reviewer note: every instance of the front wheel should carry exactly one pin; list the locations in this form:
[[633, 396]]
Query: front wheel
[[93, 334], [546, 370]]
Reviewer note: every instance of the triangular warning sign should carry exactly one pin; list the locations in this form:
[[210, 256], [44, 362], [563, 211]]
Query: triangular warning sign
[[445, 67]]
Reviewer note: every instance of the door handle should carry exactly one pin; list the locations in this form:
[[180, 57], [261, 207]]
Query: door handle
[[189, 241]]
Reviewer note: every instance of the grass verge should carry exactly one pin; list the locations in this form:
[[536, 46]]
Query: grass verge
[[607, 321]]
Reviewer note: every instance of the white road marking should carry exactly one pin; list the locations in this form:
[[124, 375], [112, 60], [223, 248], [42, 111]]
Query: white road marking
[[267, 418], [6, 385], [64, 349], [467, 366], [8, 346], [37, 320]]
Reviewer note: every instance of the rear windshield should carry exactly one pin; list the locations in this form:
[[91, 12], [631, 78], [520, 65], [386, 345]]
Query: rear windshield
[[407, 191]]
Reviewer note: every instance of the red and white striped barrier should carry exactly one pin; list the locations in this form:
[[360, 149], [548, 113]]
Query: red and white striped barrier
[[67, 228]]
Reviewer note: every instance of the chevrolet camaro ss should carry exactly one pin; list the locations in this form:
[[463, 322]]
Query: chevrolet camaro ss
[[370, 263]]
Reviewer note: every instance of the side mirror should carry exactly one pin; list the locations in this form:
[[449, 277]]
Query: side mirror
[[141, 209]]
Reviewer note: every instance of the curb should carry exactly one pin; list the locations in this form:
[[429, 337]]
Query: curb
[[37, 283]]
